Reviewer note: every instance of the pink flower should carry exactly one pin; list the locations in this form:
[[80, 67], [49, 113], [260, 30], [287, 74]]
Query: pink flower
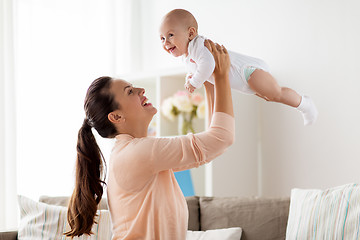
[[196, 99], [181, 94]]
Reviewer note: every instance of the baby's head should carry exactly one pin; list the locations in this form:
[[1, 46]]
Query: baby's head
[[177, 29]]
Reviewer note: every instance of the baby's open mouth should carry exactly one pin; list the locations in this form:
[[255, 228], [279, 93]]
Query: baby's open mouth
[[171, 49]]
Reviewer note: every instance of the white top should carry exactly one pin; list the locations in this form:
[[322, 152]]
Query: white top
[[200, 64]]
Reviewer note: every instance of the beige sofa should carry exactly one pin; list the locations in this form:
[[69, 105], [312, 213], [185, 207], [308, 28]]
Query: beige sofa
[[259, 218]]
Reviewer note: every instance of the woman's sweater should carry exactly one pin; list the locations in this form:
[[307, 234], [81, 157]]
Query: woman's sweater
[[145, 200]]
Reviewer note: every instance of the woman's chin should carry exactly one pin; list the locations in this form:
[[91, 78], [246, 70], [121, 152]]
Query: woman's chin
[[155, 111], [152, 110]]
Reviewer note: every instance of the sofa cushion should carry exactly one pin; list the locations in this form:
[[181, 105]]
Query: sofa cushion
[[48, 222], [192, 202], [194, 213], [63, 201], [12, 235], [259, 218], [223, 234], [333, 213]]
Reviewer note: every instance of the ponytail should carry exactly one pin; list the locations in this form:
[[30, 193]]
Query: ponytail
[[89, 184]]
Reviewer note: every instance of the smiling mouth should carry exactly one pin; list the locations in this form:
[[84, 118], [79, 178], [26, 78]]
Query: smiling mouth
[[145, 103], [171, 49]]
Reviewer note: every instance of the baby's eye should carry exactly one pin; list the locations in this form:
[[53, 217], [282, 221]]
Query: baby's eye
[[171, 34], [162, 39]]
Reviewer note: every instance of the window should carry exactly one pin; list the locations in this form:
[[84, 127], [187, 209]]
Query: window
[[61, 47]]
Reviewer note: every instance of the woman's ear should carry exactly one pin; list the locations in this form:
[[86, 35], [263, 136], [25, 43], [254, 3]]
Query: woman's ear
[[192, 33], [116, 117]]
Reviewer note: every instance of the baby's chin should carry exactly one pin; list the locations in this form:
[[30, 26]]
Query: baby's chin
[[177, 54]]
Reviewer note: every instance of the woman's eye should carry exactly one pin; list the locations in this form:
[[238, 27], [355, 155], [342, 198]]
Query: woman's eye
[[130, 91]]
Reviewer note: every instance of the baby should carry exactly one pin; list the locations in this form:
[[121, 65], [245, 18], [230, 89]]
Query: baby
[[249, 75]]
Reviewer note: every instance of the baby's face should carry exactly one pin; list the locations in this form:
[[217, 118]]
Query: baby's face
[[174, 38]]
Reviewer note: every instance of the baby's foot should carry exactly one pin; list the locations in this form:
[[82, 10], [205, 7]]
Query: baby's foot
[[308, 110]]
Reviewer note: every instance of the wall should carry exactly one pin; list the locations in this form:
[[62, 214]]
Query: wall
[[311, 46], [326, 52]]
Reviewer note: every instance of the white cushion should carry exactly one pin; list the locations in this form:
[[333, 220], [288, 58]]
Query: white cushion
[[43, 221], [330, 214], [217, 234]]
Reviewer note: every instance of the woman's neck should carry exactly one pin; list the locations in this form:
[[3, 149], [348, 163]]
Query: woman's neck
[[139, 133], [135, 131]]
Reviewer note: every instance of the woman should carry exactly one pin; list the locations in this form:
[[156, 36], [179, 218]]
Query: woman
[[145, 201]]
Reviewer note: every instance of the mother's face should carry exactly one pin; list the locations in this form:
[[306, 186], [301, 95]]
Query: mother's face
[[133, 105]]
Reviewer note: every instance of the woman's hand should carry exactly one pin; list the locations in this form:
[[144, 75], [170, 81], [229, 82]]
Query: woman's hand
[[221, 57]]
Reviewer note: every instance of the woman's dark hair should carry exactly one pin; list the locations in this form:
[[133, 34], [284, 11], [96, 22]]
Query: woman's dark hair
[[99, 102]]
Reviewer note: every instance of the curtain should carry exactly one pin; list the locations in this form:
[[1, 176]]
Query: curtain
[[8, 201]]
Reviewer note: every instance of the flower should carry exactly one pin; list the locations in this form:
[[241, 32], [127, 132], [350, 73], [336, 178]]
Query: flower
[[167, 108], [186, 105], [200, 112], [182, 101], [197, 98]]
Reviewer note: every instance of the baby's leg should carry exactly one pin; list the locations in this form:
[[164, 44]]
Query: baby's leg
[[265, 86]]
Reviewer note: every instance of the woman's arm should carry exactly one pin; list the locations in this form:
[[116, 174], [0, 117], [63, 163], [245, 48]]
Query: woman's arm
[[192, 150], [223, 99], [209, 91]]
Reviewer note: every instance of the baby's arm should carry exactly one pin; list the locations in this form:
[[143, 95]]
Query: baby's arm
[[205, 66], [189, 87]]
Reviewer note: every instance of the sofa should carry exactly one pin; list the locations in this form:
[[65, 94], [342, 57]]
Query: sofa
[[259, 218], [332, 213]]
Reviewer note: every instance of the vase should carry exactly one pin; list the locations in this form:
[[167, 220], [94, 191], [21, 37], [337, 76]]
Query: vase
[[185, 123]]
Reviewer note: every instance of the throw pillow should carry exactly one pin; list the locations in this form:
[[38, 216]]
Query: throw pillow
[[43, 221], [223, 234], [330, 214], [259, 218], [64, 201]]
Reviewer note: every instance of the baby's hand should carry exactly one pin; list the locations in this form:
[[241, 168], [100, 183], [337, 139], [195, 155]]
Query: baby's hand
[[189, 87], [188, 77]]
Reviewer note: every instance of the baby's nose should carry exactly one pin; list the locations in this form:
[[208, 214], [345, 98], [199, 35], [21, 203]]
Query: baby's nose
[[166, 42]]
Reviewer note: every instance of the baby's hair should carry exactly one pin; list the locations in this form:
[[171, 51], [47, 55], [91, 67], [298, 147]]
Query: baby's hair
[[183, 16]]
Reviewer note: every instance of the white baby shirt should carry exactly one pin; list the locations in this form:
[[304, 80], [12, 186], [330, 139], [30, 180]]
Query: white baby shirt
[[201, 64]]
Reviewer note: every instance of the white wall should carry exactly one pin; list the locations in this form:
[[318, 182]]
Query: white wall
[[312, 47], [326, 49]]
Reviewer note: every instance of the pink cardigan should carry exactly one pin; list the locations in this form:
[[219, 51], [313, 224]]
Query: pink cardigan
[[145, 200]]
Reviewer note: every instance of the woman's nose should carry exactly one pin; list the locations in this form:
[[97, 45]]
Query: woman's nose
[[141, 91]]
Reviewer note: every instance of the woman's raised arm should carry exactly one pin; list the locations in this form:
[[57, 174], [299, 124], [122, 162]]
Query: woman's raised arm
[[223, 99], [192, 150], [209, 90]]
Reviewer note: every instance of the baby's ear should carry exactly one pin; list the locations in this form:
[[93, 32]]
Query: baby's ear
[[192, 33]]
